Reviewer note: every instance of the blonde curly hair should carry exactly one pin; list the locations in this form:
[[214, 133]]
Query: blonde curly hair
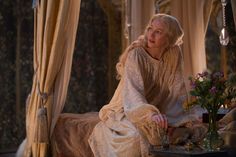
[[174, 34]]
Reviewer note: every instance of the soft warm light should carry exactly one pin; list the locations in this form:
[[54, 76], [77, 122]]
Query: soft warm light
[[223, 109]]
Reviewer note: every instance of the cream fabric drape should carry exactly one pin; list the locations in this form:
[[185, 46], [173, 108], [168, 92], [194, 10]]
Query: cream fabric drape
[[193, 16], [141, 12], [54, 37]]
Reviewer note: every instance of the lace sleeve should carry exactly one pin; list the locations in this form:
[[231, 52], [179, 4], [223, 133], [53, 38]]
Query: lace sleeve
[[135, 104]]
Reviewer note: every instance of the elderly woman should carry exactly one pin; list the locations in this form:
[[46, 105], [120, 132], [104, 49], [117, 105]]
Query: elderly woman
[[149, 96]]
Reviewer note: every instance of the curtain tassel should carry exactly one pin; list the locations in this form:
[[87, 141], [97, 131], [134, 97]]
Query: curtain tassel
[[41, 132]]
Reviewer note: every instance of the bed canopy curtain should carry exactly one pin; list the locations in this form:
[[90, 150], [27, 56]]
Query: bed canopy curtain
[[193, 16], [55, 27]]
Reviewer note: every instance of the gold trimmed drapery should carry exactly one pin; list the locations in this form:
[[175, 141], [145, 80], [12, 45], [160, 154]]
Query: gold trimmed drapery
[[55, 27]]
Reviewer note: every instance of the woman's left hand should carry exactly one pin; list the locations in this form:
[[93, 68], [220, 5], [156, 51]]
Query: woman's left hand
[[161, 120]]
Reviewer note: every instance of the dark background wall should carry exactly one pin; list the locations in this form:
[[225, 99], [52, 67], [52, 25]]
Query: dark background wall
[[16, 45], [88, 83]]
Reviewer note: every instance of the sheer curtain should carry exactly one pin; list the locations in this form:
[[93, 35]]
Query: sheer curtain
[[55, 26], [193, 16], [141, 11]]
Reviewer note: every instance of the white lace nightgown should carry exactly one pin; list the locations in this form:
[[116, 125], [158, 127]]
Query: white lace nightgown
[[147, 86]]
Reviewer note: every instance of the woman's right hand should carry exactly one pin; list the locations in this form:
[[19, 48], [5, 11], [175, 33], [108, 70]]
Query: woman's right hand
[[161, 120]]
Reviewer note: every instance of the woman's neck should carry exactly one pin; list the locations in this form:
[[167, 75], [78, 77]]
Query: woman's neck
[[155, 52]]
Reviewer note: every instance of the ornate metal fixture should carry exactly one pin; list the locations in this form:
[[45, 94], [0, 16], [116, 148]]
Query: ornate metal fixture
[[224, 35]]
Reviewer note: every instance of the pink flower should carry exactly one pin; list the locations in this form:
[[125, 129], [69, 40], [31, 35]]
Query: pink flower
[[218, 75], [213, 90]]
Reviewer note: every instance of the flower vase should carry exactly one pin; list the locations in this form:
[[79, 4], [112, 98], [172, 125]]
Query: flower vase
[[212, 140]]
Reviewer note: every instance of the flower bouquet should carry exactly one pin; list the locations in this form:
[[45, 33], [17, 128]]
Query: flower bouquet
[[211, 91]]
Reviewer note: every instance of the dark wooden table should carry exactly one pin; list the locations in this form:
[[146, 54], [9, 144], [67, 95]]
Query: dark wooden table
[[179, 151]]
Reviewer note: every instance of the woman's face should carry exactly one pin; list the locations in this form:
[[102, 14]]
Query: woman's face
[[156, 35]]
